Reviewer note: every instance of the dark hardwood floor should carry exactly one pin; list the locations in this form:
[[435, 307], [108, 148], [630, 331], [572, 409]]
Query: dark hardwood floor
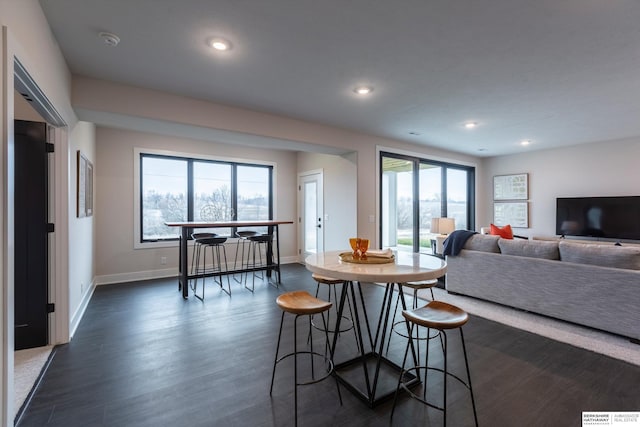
[[143, 356]]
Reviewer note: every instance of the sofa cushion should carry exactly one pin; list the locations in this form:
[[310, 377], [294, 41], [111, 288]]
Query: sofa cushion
[[547, 238], [602, 255], [530, 248], [482, 243], [505, 232]]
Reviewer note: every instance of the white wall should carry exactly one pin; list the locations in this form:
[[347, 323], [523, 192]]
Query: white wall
[[164, 110], [600, 169], [36, 48], [116, 258], [340, 176], [23, 110], [81, 230], [27, 37]]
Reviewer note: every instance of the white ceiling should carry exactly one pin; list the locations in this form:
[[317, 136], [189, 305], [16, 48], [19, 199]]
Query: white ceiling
[[557, 72]]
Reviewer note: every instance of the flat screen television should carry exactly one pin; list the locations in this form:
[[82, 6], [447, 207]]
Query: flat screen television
[[608, 217]]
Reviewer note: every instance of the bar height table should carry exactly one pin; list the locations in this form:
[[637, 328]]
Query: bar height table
[[407, 267], [273, 259]]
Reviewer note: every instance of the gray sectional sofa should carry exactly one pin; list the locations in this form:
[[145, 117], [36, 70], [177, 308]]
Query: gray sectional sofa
[[591, 284]]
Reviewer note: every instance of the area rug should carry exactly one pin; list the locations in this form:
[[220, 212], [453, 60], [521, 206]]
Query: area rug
[[586, 338], [28, 364]]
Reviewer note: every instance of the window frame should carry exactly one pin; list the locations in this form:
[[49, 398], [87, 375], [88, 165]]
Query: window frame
[[444, 164], [139, 153]]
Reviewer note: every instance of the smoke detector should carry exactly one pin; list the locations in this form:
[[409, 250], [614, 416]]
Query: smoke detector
[[109, 39]]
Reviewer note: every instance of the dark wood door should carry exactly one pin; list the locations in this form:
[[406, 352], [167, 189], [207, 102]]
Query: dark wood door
[[31, 236]]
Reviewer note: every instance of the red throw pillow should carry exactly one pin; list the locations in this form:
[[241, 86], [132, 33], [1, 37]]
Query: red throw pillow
[[505, 232]]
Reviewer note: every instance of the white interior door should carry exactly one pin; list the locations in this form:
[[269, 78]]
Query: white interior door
[[310, 213]]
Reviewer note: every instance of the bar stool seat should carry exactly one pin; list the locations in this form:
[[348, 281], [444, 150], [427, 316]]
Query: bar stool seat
[[443, 317], [326, 280], [302, 303], [437, 315]]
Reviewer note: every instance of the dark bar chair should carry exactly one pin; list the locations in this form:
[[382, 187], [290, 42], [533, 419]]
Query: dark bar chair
[[302, 303], [241, 243], [197, 246], [443, 317], [196, 252], [215, 247], [257, 257]]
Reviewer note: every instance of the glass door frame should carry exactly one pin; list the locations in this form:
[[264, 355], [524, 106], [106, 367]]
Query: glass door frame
[[316, 176], [417, 161]]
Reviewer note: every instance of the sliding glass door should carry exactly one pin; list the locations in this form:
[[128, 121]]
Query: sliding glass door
[[415, 190], [397, 203], [458, 196], [430, 201]]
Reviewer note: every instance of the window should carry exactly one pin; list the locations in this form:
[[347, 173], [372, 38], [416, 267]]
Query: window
[[164, 189], [414, 190], [174, 188]]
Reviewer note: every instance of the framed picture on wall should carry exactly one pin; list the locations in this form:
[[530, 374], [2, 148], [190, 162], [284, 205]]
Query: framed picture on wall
[[515, 214], [84, 181], [88, 193], [511, 187]]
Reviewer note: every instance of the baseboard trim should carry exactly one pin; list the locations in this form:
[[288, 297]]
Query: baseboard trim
[[79, 313], [137, 276]]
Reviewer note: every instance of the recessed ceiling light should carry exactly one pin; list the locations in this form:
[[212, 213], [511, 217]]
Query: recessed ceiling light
[[109, 39], [363, 90], [218, 43], [470, 125], [525, 142]]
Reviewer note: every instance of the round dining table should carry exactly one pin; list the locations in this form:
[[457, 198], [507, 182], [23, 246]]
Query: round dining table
[[406, 267], [389, 272]]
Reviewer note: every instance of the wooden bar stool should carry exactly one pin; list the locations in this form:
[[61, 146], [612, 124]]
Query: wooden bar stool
[[441, 316], [416, 286], [302, 303], [331, 286]]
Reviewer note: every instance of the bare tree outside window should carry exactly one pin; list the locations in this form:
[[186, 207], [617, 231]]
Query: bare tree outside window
[[165, 196]]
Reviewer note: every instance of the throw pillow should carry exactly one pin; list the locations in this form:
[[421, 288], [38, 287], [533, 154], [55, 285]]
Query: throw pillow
[[505, 232]]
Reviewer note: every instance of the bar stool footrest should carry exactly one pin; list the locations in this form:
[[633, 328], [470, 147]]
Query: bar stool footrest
[[327, 362], [432, 368], [347, 327], [404, 335]]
